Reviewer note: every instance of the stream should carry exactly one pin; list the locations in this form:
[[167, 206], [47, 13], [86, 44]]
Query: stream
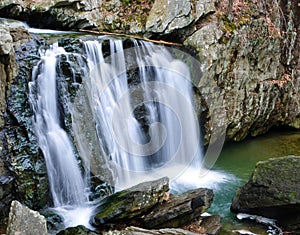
[[239, 159]]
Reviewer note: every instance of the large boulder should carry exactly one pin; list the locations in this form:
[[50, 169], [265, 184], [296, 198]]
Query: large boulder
[[273, 191], [130, 203], [24, 221], [150, 206]]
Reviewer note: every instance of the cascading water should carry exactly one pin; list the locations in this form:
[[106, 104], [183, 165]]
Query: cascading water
[[67, 185], [141, 103], [163, 139]]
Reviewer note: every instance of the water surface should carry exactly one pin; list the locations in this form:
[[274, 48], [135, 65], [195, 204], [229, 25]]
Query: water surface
[[239, 159]]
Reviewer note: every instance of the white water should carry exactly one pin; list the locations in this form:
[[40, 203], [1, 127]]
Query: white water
[[67, 185], [172, 145]]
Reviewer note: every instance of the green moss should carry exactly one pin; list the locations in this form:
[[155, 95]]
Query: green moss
[[229, 25]]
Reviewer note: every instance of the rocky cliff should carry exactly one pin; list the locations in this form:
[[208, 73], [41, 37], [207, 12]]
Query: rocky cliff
[[22, 168], [250, 49]]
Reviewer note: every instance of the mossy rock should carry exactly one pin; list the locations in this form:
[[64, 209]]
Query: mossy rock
[[273, 190]]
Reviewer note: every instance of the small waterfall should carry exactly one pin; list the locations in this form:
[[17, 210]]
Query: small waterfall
[[67, 185]]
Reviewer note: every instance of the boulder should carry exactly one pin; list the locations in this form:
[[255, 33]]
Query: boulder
[[273, 191], [130, 203], [150, 206], [25, 221], [179, 210]]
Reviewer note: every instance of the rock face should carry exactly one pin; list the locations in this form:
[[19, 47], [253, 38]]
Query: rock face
[[23, 173], [168, 16], [246, 58], [22, 220], [249, 51], [273, 191]]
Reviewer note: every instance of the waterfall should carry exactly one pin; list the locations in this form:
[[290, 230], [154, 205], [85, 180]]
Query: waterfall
[[67, 184], [166, 139], [141, 117]]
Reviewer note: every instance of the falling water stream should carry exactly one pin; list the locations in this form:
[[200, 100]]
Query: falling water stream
[[67, 184], [146, 125]]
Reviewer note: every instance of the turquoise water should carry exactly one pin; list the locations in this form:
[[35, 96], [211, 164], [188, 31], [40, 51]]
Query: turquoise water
[[239, 159]]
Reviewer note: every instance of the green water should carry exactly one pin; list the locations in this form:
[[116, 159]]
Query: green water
[[239, 159]]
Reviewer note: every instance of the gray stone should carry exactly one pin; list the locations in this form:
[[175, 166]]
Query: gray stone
[[167, 16], [273, 190], [24, 221], [179, 210], [6, 41], [130, 203], [211, 224], [246, 64]]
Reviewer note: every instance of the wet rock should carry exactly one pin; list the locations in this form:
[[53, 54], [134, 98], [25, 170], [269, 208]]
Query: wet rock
[[130, 203], [140, 231], [272, 191], [79, 230], [206, 224], [211, 224], [179, 210], [24, 174], [150, 206], [22, 220]]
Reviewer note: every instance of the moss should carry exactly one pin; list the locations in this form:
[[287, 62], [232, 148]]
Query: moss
[[229, 25]]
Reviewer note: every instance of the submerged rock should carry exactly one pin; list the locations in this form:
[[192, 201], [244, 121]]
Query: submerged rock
[[273, 191], [24, 221]]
